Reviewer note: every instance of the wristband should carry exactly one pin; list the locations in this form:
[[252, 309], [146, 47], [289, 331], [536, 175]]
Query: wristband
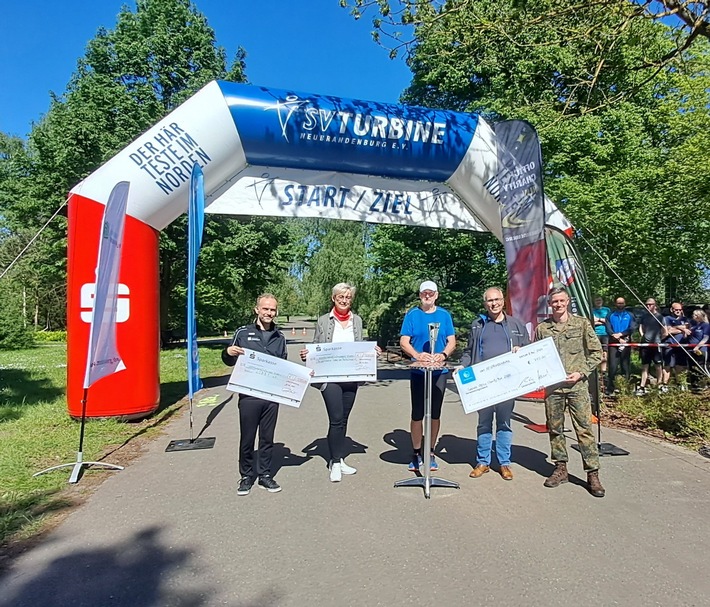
[[445, 355]]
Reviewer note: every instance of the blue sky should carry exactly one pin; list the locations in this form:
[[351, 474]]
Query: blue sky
[[313, 46]]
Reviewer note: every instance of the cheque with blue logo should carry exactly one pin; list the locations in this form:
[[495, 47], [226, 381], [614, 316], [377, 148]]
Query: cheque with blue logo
[[270, 378], [342, 361], [510, 375]]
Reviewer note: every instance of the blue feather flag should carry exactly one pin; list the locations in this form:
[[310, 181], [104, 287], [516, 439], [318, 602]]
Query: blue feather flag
[[195, 226]]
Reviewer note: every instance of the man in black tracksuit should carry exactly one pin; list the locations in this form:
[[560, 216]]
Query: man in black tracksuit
[[261, 336]]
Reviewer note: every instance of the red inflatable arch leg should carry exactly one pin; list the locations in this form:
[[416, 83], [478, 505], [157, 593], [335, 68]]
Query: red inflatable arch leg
[[135, 391]]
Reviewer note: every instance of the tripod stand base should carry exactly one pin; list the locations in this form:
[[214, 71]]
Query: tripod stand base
[[420, 481], [76, 469], [606, 449], [185, 444]]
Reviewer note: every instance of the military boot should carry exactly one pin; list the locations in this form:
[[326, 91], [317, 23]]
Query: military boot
[[594, 486], [558, 476]]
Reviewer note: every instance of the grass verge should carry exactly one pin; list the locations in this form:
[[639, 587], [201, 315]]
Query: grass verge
[[36, 432]]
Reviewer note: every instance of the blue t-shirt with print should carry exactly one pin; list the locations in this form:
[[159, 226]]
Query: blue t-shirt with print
[[698, 330], [416, 326]]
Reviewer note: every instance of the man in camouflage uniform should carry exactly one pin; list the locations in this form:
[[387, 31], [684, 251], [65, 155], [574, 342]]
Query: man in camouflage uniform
[[580, 351]]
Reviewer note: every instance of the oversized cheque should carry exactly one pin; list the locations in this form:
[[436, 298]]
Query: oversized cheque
[[342, 361], [510, 375], [270, 378]]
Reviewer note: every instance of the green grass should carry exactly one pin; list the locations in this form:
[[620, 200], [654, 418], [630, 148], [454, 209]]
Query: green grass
[[36, 431]]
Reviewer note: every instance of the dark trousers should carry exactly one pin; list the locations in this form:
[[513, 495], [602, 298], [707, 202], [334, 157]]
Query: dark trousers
[[339, 399], [618, 358], [255, 413], [697, 367]]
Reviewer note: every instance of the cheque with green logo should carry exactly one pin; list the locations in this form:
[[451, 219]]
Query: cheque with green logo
[[343, 361], [270, 378], [510, 375]]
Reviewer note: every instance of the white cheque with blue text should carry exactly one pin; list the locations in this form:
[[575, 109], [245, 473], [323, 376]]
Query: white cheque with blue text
[[510, 375], [270, 378]]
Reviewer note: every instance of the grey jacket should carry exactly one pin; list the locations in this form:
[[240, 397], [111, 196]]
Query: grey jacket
[[324, 334], [325, 327], [515, 328]]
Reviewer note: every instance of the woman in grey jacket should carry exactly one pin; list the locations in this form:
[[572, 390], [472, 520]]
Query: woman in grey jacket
[[339, 325]]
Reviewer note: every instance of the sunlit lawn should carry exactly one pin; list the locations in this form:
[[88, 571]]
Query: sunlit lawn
[[36, 432]]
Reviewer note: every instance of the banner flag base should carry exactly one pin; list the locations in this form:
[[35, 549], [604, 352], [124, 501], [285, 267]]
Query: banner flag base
[[185, 444], [422, 481], [606, 449], [77, 467]]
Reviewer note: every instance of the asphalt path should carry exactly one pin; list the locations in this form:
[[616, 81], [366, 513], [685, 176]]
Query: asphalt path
[[170, 530]]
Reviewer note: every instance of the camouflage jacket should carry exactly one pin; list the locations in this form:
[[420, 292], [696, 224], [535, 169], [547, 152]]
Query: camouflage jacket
[[577, 344]]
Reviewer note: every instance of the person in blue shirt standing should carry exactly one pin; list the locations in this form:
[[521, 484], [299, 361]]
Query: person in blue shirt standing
[[677, 332], [620, 325], [414, 342], [493, 334], [697, 349], [600, 313]]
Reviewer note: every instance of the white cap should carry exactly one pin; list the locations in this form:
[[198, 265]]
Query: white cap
[[428, 285]]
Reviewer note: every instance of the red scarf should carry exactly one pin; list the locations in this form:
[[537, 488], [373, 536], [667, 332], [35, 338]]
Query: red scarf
[[342, 317]]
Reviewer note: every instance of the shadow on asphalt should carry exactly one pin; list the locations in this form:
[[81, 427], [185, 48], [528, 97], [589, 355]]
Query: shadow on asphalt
[[213, 414], [213, 382], [402, 443], [127, 573], [282, 456], [319, 448], [458, 450]]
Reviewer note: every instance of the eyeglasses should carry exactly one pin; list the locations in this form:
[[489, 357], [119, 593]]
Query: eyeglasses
[[676, 309], [427, 293], [494, 300], [343, 297]]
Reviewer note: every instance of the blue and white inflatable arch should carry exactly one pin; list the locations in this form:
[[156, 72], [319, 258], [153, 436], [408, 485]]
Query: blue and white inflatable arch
[[275, 153]]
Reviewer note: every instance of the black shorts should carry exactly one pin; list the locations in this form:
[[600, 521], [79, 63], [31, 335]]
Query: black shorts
[[604, 339], [675, 357], [416, 390], [651, 354]]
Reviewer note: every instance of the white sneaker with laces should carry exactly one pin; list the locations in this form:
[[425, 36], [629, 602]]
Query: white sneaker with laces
[[336, 473], [345, 469]]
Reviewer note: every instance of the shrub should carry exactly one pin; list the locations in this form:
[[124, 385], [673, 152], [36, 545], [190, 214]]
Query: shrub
[[682, 414], [50, 336], [14, 334]]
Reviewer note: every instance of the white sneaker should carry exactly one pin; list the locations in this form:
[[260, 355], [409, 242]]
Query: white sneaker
[[345, 469], [336, 473]]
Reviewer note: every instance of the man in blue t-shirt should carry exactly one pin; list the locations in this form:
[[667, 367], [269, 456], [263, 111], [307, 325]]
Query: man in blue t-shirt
[[414, 341], [620, 325], [600, 313]]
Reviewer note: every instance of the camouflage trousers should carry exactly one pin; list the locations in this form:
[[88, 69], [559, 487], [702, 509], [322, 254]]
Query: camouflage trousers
[[580, 409]]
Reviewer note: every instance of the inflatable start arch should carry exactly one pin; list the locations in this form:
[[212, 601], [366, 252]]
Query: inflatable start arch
[[265, 152]]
